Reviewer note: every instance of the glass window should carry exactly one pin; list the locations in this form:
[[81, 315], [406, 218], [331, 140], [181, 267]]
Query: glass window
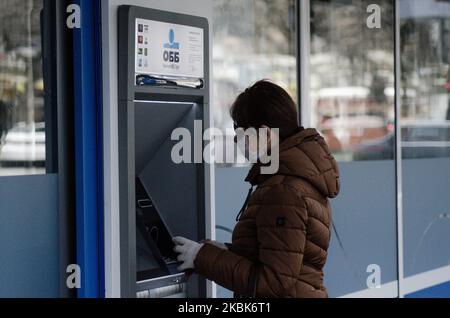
[[352, 78], [252, 40], [425, 66], [425, 133], [352, 104], [22, 125]]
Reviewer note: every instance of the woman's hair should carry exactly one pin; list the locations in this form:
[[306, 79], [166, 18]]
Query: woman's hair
[[266, 103]]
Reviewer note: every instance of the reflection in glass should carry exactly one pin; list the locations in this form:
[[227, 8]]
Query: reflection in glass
[[252, 40], [22, 127], [425, 133], [425, 66], [352, 78]]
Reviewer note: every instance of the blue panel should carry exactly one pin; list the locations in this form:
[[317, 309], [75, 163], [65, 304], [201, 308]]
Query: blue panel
[[29, 236], [100, 192], [87, 89], [365, 216], [231, 190], [426, 208], [438, 291]]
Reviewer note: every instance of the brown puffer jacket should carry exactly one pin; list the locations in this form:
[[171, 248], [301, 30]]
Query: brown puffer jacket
[[280, 243]]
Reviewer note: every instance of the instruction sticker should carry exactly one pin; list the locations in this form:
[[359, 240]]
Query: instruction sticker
[[166, 49]]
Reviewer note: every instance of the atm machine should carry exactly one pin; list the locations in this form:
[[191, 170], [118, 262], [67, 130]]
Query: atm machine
[[163, 85]]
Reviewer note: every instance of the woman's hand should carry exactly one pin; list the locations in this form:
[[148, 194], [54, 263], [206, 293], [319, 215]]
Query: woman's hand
[[187, 250]]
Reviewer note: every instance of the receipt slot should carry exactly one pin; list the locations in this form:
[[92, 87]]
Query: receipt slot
[[163, 85]]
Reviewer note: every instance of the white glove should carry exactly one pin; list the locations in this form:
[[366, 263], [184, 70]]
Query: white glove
[[187, 250]]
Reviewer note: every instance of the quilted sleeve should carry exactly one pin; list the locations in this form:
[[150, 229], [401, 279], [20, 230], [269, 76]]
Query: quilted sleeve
[[281, 233]]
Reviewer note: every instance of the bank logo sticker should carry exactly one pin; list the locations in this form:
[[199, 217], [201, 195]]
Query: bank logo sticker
[[172, 44]]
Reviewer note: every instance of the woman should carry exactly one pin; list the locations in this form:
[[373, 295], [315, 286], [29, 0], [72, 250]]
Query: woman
[[279, 245]]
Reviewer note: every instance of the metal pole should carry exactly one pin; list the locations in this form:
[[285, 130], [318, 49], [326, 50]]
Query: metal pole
[[398, 147], [304, 62], [30, 88]]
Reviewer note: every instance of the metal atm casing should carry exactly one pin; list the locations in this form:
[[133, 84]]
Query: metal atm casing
[[182, 189]]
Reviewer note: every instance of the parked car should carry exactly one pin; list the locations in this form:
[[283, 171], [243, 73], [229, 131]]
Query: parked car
[[343, 133], [420, 139], [23, 145]]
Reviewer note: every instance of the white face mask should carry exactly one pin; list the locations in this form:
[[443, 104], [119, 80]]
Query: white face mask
[[254, 151], [250, 155], [248, 145]]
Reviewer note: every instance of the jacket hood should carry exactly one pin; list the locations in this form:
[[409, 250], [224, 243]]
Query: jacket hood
[[305, 155]]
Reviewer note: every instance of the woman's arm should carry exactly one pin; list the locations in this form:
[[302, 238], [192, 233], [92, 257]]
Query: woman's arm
[[281, 234]]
